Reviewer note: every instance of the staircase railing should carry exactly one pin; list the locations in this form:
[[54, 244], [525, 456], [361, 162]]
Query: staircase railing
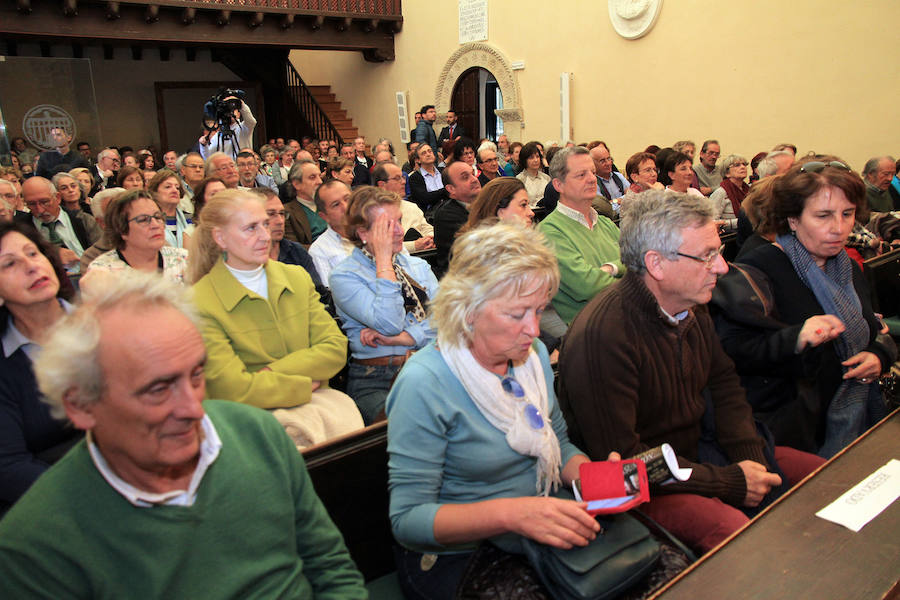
[[303, 99]]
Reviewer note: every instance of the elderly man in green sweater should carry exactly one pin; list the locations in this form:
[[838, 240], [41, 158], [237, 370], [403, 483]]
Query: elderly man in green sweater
[[169, 496], [586, 243]]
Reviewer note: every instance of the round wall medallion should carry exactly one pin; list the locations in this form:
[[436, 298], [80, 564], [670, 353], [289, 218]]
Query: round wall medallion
[[633, 18], [39, 120]]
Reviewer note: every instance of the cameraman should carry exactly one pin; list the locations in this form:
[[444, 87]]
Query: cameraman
[[242, 123]]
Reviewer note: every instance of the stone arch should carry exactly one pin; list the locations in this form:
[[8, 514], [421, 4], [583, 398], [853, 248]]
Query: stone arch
[[477, 54]]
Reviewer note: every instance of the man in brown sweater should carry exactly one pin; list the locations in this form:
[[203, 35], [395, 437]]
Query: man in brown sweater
[[641, 360]]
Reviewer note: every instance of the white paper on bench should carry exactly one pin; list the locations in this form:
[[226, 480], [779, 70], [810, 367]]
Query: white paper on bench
[[865, 501]]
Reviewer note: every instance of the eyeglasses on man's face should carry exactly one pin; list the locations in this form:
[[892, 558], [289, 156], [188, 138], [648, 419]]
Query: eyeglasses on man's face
[[708, 259]]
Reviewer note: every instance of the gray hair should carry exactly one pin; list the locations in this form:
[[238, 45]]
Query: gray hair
[[767, 167], [296, 171], [653, 220], [706, 144], [872, 164], [730, 160], [106, 151], [775, 153], [210, 167], [56, 179], [70, 357], [100, 198], [682, 144], [10, 184], [490, 261], [559, 165]]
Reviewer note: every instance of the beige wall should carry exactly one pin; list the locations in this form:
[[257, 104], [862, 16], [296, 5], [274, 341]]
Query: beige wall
[[820, 74]]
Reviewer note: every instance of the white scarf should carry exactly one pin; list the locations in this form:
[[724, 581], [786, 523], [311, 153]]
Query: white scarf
[[507, 413]]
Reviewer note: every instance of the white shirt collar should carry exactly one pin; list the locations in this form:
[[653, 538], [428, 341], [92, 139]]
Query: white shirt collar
[[13, 339], [209, 451], [576, 215]]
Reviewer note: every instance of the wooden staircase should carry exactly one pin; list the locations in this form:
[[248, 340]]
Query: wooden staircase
[[337, 115]]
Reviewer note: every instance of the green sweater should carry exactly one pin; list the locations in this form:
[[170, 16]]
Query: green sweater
[[580, 253], [256, 530]]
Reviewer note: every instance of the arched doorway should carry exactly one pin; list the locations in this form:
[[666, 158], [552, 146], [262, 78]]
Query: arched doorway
[[476, 95], [477, 54]]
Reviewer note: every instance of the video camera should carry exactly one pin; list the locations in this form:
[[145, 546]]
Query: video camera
[[220, 108]]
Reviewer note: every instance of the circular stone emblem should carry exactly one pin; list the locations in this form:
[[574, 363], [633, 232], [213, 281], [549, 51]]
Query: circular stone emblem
[[633, 18], [39, 120]]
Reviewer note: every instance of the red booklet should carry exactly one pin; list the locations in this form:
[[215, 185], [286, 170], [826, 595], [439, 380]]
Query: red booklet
[[602, 486]]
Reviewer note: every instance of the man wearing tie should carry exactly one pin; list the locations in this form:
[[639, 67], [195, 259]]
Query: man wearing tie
[[72, 231], [453, 129]]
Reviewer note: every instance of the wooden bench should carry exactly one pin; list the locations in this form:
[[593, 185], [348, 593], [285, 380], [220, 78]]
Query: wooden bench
[[350, 474]]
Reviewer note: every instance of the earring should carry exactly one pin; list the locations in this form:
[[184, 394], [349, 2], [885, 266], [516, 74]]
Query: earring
[[225, 255], [794, 232]]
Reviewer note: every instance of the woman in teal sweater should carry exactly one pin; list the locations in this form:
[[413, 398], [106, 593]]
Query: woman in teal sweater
[[270, 342], [476, 439]]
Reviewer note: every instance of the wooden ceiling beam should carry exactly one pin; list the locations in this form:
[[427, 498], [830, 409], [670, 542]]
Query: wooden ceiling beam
[[184, 25]]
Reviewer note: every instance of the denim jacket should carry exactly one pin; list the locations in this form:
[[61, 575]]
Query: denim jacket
[[363, 300]]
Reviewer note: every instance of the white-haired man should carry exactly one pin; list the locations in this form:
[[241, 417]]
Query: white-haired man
[[169, 495]]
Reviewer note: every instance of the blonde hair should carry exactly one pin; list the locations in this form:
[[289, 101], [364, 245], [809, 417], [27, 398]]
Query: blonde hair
[[505, 258], [204, 251]]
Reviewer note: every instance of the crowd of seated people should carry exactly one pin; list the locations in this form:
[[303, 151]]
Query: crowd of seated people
[[334, 288]]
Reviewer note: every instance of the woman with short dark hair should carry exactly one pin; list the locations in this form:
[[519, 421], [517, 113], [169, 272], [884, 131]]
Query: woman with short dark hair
[[808, 351], [135, 228], [531, 172]]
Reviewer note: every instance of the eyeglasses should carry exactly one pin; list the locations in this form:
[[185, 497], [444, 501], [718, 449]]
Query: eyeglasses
[[199, 166], [491, 160], [396, 178], [43, 203], [532, 414], [708, 260], [817, 166], [228, 167], [145, 220], [648, 170], [738, 164], [608, 159]]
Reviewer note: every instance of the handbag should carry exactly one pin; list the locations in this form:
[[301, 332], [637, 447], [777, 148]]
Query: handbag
[[609, 565]]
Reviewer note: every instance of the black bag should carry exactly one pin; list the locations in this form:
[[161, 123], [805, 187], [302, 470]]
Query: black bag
[[613, 562]]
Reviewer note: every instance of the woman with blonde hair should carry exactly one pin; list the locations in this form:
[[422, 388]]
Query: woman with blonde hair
[[340, 168], [269, 340], [476, 439]]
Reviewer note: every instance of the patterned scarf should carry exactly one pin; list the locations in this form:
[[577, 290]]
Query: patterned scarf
[[833, 288], [414, 295]]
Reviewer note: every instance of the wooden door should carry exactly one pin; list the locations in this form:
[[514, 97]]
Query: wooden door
[[465, 102]]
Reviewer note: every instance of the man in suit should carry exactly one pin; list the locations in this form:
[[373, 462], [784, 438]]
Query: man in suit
[[462, 188], [360, 171], [453, 129], [72, 231]]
